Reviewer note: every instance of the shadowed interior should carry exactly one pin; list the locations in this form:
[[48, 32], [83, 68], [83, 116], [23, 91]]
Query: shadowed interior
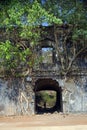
[[48, 85]]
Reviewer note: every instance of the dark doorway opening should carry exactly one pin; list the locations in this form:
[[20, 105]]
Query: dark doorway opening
[[48, 96]]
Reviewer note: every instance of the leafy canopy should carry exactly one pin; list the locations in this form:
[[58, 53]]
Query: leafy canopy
[[26, 17], [73, 37]]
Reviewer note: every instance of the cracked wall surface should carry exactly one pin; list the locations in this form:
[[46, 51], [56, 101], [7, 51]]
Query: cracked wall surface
[[75, 95], [18, 98]]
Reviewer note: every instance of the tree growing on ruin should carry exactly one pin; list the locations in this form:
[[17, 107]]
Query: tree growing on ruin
[[21, 21], [71, 42]]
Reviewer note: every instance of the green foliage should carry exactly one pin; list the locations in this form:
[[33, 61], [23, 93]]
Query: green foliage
[[36, 15], [80, 34], [13, 58], [46, 97], [70, 12], [28, 16], [74, 32]]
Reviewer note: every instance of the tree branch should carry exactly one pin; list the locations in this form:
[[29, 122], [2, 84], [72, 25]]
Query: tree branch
[[74, 58]]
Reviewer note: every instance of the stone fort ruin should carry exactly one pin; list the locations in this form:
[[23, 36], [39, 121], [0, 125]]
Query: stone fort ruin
[[66, 75]]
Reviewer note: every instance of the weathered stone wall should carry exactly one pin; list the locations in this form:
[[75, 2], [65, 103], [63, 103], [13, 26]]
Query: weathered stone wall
[[16, 97], [75, 95]]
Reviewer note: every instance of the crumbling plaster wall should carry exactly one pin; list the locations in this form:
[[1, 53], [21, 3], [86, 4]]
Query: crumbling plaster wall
[[74, 95], [16, 97]]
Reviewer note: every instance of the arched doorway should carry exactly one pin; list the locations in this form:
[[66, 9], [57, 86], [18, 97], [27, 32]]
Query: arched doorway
[[48, 89]]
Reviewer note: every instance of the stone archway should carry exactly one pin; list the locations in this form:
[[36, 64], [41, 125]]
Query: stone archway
[[48, 85]]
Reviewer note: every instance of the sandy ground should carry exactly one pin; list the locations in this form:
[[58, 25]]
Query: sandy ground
[[44, 122]]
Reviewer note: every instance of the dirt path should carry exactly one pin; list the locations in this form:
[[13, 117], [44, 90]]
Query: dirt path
[[46, 120]]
